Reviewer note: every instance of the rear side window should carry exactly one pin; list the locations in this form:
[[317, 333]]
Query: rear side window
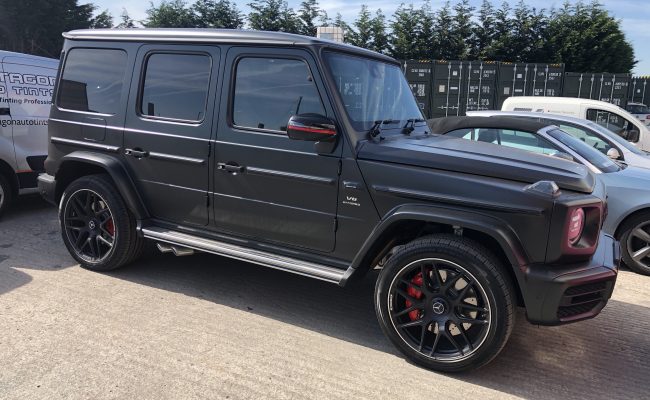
[[92, 80], [269, 91], [176, 86]]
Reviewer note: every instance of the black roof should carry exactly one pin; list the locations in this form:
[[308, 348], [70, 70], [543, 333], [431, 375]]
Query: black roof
[[205, 35], [445, 125]]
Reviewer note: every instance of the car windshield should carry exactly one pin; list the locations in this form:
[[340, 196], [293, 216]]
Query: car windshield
[[638, 109], [593, 156], [615, 138], [372, 91]]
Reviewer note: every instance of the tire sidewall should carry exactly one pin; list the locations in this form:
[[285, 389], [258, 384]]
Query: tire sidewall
[[498, 331], [627, 229], [7, 199]]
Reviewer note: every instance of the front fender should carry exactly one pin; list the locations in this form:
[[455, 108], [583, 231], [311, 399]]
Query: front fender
[[494, 227], [114, 167]]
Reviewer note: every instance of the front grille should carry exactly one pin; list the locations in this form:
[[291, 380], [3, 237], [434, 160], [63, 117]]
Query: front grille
[[582, 299]]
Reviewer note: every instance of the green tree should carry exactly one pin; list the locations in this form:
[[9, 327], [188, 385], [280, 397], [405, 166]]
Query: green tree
[[484, 31], [35, 26], [273, 15], [379, 37], [127, 21], [170, 14], [461, 39], [217, 14], [102, 20], [363, 25], [425, 31], [500, 48], [443, 34], [348, 32], [406, 41], [308, 13], [529, 34], [588, 39]]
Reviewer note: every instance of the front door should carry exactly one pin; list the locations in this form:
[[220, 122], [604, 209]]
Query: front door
[[169, 123], [267, 186]]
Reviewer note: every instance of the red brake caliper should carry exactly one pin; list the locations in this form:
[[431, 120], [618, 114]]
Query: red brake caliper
[[413, 292], [110, 227]]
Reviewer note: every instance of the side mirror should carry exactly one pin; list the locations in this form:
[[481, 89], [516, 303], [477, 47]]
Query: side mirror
[[633, 135], [614, 154], [312, 128]]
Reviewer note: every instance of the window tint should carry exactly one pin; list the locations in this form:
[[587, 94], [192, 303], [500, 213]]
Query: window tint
[[176, 86], [586, 136], [611, 121], [268, 91], [516, 139], [92, 80]]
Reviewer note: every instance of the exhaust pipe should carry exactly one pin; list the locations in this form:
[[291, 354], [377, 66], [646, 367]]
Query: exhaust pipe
[[177, 250]]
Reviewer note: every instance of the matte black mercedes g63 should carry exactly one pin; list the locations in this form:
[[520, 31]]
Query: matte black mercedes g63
[[312, 157]]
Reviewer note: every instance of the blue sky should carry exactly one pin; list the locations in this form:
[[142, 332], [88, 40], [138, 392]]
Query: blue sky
[[634, 14]]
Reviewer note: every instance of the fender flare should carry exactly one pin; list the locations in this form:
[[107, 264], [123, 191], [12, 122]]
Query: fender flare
[[115, 168], [494, 227]]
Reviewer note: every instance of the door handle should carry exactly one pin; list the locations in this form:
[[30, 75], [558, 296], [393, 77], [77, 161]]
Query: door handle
[[230, 167], [137, 153]]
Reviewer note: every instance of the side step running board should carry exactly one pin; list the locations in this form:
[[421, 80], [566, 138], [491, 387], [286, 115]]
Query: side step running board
[[266, 259]]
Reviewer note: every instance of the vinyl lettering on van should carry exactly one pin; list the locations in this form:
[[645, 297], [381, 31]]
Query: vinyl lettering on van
[[29, 79]]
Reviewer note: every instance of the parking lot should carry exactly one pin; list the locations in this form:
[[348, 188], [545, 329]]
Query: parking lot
[[209, 327]]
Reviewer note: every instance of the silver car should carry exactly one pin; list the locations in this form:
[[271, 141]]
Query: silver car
[[596, 136], [628, 187]]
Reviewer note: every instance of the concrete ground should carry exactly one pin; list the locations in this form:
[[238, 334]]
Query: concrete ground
[[209, 327]]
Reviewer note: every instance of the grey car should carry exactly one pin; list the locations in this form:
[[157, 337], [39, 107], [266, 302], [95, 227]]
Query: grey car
[[596, 136], [628, 218]]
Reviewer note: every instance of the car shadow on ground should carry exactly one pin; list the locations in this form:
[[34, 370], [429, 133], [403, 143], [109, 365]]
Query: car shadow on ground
[[601, 354]]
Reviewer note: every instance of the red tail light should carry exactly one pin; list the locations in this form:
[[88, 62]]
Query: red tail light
[[575, 225]]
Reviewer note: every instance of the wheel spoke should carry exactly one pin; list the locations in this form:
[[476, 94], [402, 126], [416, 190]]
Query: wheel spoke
[[411, 284], [461, 329], [472, 307], [417, 322], [80, 241], [641, 253], [77, 207], [422, 336], [463, 291], [450, 283], [641, 234], [89, 241], [414, 307], [100, 238], [435, 341], [407, 296], [467, 320], [451, 339], [436, 273]]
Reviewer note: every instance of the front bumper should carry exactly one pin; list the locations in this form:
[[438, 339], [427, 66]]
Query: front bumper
[[560, 294], [47, 187]]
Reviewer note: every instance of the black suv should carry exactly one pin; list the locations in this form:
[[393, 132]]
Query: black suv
[[312, 157]]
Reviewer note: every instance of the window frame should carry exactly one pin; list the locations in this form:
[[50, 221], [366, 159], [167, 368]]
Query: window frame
[[630, 124], [141, 82], [66, 56], [233, 84]]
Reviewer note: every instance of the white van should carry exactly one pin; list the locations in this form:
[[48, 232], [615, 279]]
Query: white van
[[26, 86], [608, 115]]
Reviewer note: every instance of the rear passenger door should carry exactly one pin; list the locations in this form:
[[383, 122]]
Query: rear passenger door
[[267, 186], [168, 128]]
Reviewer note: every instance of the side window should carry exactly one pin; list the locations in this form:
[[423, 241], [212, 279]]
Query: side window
[[92, 80], [611, 121], [586, 136], [525, 141], [466, 133], [268, 91], [176, 86]]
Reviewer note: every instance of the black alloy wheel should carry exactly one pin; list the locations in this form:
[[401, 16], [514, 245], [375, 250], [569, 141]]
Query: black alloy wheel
[[89, 226], [439, 309], [635, 243], [5, 194], [446, 302]]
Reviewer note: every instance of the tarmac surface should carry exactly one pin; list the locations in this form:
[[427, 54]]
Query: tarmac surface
[[204, 326]]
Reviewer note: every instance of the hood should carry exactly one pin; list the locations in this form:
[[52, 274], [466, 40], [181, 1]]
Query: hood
[[478, 158]]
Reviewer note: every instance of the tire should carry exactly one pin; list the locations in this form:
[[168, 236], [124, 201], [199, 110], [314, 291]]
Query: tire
[[634, 238], [457, 322], [97, 228], [6, 194]]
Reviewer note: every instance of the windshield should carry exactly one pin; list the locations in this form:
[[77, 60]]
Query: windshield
[[372, 90], [638, 109], [615, 138], [593, 156]]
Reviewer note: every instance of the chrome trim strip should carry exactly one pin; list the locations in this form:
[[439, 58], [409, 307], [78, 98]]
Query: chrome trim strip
[[289, 175], [416, 194], [237, 252], [172, 157], [90, 145]]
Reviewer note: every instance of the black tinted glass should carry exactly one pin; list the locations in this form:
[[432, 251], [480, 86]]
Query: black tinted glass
[[176, 86], [269, 91], [92, 80]]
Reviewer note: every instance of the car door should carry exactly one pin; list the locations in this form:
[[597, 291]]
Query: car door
[[168, 128], [267, 186]]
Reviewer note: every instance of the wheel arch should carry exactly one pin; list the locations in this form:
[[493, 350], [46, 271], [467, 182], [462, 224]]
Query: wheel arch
[[80, 163], [409, 222], [633, 213]]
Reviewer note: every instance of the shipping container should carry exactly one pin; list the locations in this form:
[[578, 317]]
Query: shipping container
[[639, 90], [459, 86], [419, 76], [528, 79], [612, 88]]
